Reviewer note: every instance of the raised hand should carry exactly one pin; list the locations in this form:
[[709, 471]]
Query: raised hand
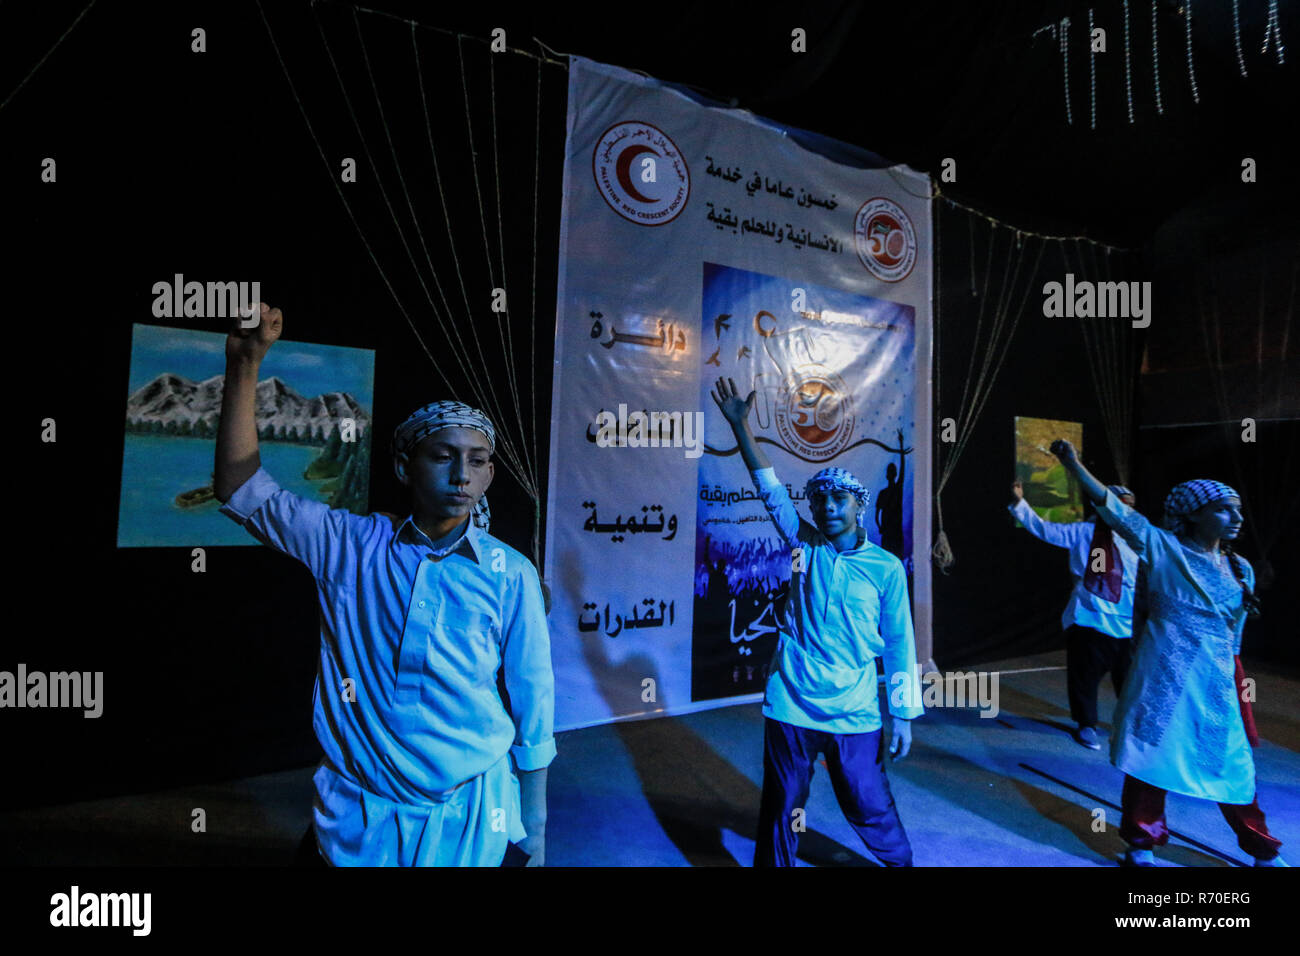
[[252, 344], [734, 408], [1093, 488], [1018, 490], [1063, 450]]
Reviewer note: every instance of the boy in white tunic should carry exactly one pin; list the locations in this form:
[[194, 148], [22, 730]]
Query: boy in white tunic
[[1181, 724], [1098, 621], [848, 603], [424, 765]]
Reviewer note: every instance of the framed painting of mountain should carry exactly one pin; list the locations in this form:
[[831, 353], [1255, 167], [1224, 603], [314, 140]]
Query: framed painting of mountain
[[313, 422]]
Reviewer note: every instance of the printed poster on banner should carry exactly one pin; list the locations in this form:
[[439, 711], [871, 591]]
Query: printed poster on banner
[[833, 375], [698, 243]]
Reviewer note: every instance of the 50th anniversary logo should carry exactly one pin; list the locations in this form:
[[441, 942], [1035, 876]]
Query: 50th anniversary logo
[[885, 239]]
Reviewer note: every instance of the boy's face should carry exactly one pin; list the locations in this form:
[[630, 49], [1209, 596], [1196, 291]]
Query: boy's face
[[834, 513], [447, 472]]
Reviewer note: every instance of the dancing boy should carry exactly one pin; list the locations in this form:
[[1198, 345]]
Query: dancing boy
[[1098, 621], [416, 618], [848, 603]]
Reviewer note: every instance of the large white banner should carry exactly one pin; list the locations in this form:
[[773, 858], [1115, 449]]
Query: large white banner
[[700, 243]]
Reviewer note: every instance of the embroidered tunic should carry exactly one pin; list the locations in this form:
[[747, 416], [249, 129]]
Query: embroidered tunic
[[1178, 722]]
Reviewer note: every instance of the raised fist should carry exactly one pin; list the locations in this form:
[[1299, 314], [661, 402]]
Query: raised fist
[[1063, 450], [252, 344]]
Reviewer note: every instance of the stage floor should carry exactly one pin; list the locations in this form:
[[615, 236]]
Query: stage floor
[[1010, 790]]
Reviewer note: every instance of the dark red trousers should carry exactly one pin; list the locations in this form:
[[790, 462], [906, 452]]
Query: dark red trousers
[[1143, 822]]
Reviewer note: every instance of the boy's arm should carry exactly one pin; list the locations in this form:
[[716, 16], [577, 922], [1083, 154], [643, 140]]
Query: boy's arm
[[532, 792], [237, 456], [1135, 529], [1061, 535], [307, 530], [736, 411], [530, 687], [904, 684]]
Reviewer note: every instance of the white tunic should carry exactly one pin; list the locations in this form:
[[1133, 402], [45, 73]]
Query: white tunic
[[1178, 722], [1112, 618]]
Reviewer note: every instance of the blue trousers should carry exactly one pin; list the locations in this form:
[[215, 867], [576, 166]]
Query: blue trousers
[[857, 768]]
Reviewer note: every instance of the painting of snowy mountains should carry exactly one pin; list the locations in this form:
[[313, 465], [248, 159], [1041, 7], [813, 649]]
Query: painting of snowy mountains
[[313, 426]]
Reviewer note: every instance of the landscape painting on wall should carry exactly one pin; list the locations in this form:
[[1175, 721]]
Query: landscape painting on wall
[[313, 422], [1049, 489]]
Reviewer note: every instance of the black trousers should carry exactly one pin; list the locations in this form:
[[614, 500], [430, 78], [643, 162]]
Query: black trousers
[[1089, 654], [857, 768]]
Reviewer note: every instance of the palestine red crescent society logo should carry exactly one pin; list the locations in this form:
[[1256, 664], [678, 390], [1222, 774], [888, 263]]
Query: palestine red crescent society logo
[[641, 173], [885, 239]]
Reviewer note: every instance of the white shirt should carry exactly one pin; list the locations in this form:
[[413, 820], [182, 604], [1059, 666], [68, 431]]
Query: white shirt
[[1113, 618], [845, 608], [406, 704]]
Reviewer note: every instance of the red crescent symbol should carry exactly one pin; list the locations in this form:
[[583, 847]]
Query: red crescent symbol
[[624, 164]]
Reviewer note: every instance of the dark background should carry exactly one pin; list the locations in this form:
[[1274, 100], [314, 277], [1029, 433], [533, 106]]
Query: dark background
[[171, 161]]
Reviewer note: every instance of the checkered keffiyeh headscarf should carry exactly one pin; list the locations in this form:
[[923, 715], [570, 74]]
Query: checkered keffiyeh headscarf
[[837, 479], [1186, 498], [436, 416]]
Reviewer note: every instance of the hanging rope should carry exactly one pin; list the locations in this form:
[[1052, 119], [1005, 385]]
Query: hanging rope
[[449, 328], [400, 177], [939, 194], [337, 188], [977, 387], [532, 325], [48, 54], [556, 59], [942, 551], [1213, 344], [1014, 317], [1118, 367], [488, 400], [529, 467], [1276, 495], [453, 332], [1109, 347], [517, 443]]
